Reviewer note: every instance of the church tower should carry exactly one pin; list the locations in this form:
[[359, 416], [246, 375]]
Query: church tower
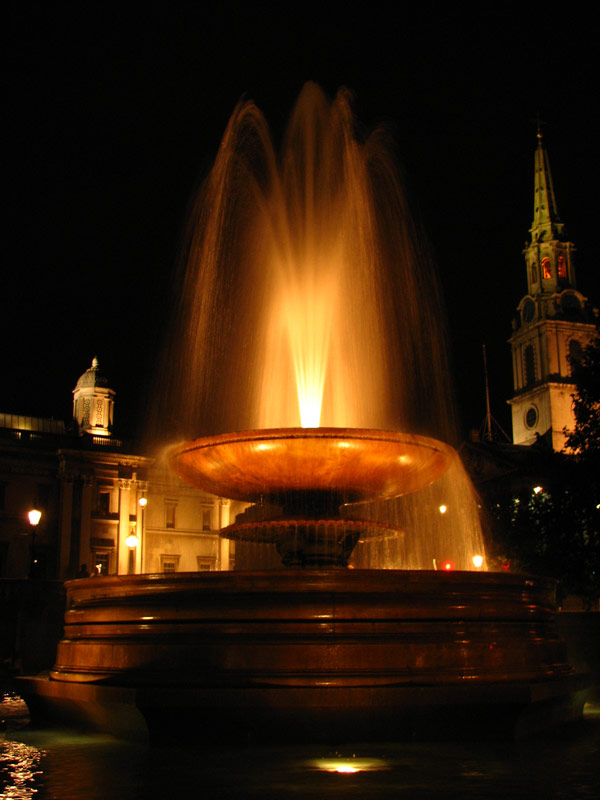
[[93, 402], [553, 323]]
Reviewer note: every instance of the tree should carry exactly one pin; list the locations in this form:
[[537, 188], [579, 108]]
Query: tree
[[555, 530], [584, 440]]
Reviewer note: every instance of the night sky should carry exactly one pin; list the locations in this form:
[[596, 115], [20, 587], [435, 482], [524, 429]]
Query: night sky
[[114, 114]]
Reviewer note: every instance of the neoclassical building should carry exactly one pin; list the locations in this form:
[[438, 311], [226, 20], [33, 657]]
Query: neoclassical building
[[553, 323], [105, 508]]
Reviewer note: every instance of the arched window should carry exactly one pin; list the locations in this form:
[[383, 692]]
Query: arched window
[[575, 353], [528, 365], [534, 272], [546, 268], [562, 267]]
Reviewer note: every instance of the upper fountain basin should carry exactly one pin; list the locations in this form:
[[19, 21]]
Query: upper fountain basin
[[356, 464]]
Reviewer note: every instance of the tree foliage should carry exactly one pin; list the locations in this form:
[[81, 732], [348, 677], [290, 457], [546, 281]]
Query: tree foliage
[[556, 531], [584, 440]]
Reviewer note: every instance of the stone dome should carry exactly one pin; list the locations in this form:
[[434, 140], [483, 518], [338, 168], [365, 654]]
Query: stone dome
[[92, 377]]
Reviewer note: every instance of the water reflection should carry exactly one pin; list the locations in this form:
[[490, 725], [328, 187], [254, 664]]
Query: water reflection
[[61, 765], [19, 764]]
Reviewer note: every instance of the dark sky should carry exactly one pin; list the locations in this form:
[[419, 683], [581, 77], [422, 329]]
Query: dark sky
[[114, 113]]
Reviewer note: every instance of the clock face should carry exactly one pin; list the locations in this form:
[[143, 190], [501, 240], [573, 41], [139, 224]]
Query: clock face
[[528, 310], [570, 303], [531, 417]]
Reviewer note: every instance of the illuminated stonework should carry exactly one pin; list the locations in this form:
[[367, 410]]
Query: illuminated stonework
[[93, 402], [553, 322]]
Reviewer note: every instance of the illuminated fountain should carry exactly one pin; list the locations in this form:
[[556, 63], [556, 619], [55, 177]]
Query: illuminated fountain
[[305, 301]]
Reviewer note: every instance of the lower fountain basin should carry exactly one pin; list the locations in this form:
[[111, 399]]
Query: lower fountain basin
[[256, 653]]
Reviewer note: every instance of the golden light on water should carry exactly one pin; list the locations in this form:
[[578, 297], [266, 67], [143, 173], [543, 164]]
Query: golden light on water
[[19, 765], [350, 766]]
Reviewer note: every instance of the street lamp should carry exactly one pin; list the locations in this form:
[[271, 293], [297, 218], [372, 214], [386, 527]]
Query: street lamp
[[34, 517], [143, 502], [132, 542]]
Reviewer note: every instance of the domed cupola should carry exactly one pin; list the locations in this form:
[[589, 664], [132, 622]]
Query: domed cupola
[[93, 402]]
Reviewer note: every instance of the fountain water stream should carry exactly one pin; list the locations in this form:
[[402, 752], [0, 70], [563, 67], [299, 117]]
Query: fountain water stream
[[306, 298]]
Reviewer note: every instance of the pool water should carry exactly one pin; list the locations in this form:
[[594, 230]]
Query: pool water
[[63, 765]]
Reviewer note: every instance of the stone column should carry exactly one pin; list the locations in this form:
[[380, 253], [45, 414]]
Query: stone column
[[224, 512], [65, 522], [140, 515], [124, 505], [85, 529]]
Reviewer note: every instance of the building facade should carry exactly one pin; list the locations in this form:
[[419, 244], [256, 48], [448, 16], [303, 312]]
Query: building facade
[[105, 509], [553, 323]]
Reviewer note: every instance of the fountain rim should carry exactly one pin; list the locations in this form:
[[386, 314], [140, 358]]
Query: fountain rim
[[443, 455]]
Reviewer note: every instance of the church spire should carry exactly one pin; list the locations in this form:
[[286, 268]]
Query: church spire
[[553, 323], [546, 223], [548, 255]]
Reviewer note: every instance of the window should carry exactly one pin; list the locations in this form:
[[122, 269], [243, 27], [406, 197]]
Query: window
[[575, 353], [528, 365], [562, 267], [170, 508], [85, 422], [104, 503], [546, 268], [3, 558], [169, 563], [534, 272], [101, 562], [205, 564], [42, 496], [206, 515]]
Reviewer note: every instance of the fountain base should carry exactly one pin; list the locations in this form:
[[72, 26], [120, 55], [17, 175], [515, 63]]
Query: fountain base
[[330, 654]]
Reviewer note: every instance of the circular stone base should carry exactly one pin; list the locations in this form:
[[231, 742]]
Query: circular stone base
[[322, 628]]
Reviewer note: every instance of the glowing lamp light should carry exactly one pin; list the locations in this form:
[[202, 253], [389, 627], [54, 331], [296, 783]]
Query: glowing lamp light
[[132, 540], [537, 489], [448, 566], [143, 501], [34, 516], [443, 509], [477, 561]]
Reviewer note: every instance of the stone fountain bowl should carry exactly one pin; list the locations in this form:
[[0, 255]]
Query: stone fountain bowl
[[355, 465]]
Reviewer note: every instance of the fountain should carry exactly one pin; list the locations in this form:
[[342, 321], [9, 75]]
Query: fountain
[[305, 302]]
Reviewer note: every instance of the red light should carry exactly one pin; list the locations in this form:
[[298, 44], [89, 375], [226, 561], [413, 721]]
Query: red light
[[447, 565]]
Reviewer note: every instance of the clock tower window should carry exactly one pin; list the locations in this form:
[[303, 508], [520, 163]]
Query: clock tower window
[[529, 365], [546, 268]]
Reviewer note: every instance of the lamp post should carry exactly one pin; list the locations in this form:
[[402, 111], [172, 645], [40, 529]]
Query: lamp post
[[34, 520], [143, 502], [131, 542]]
